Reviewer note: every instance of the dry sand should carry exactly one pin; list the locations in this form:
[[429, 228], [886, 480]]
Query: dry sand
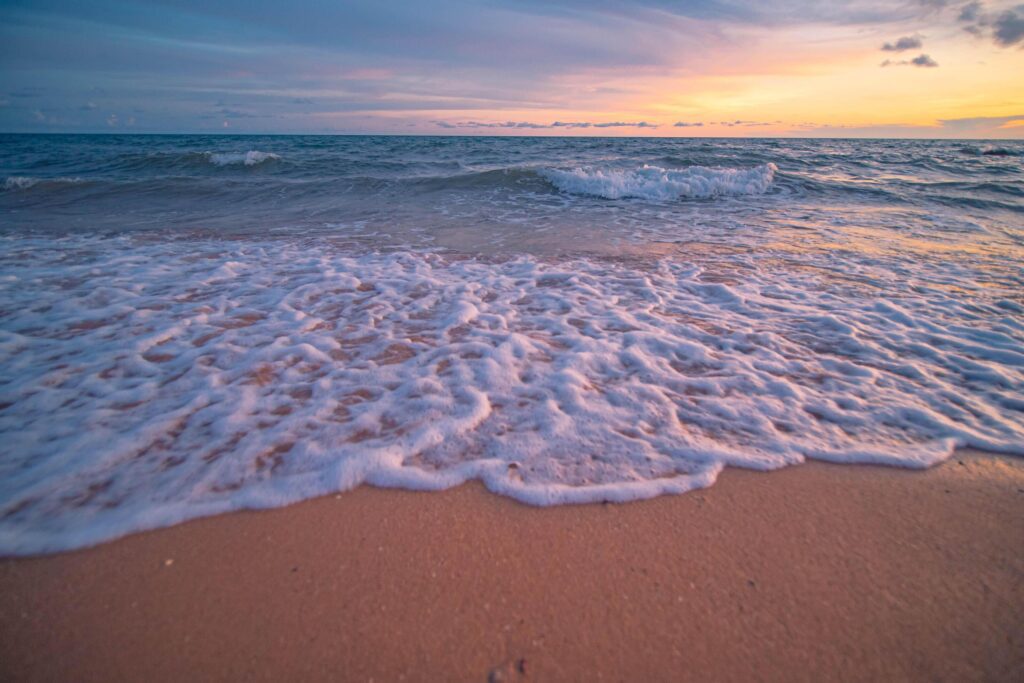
[[819, 572]]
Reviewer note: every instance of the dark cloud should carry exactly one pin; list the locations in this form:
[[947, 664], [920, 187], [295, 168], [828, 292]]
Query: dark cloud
[[684, 124], [498, 124], [619, 124], [1008, 27], [920, 60], [733, 124], [903, 44], [970, 12], [612, 124], [1005, 28]]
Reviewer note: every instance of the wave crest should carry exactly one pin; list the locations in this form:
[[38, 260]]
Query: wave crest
[[991, 151], [251, 158], [654, 182], [15, 183]]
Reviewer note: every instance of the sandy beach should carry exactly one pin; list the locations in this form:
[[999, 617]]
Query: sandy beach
[[509, 341], [818, 572]]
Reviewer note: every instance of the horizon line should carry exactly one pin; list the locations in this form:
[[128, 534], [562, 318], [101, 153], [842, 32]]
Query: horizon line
[[523, 135]]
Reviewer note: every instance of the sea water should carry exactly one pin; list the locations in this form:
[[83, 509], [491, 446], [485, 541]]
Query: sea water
[[191, 325]]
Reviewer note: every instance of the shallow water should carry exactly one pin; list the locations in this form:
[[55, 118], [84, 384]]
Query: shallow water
[[190, 325]]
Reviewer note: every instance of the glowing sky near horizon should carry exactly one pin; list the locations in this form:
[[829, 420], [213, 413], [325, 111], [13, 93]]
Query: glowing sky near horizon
[[903, 68]]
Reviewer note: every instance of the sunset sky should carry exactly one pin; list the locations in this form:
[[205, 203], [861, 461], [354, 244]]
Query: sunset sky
[[911, 68]]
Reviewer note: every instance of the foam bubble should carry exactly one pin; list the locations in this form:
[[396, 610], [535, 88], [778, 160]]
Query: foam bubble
[[653, 182], [150, 382]]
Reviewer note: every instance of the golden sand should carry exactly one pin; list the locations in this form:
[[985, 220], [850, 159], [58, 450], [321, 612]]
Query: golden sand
[[817, 572]]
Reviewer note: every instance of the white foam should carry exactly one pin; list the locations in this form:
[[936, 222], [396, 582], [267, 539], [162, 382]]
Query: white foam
[[12, 183], [19, 183], [996, 150], [145, 383], [250, 158], [655, 183]]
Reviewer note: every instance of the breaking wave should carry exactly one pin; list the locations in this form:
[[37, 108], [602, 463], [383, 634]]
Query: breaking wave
[[251, 158], [656, 183], [15, 183], [992, 150]]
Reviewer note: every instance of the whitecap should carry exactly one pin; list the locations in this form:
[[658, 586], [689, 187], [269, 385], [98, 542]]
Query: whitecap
[[251, 158], [656, 183], [14, 183]]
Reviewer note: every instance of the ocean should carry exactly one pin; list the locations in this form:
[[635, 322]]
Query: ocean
[[196, 324]]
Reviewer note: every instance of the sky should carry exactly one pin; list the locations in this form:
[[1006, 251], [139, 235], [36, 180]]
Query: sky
[[859, 68]]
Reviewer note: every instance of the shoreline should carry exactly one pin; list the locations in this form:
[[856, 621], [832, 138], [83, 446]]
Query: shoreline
[[845, 572]]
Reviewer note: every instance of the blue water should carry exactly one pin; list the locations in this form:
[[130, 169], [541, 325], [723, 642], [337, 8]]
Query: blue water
[[191, 325], [485, 194]]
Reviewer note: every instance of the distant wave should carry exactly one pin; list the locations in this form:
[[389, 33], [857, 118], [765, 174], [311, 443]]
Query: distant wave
[[135, 163], [251, 158], [654, 182], [992, 151], [15, 183], [480, 180]]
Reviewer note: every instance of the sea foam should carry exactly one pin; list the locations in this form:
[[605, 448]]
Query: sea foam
[[19, 183], [250, 158], [656, 183], [148, 382], [14, 183]]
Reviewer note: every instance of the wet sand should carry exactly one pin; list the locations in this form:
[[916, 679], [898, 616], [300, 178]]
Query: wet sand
[[818, 572]]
